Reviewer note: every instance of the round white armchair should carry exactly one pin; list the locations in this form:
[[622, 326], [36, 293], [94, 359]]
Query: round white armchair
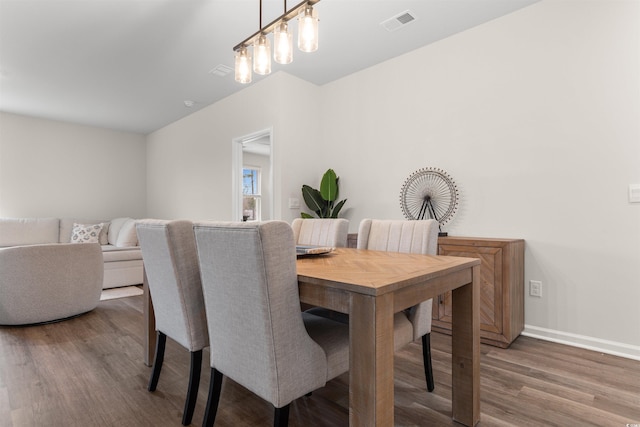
[[49, 282]]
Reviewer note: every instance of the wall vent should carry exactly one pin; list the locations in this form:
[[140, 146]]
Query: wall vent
[[398, 21]]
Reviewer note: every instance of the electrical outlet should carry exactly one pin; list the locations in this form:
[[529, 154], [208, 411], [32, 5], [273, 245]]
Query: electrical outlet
[[535, 288]]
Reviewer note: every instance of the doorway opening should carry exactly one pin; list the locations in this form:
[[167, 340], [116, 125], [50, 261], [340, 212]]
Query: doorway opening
[[252, 181]]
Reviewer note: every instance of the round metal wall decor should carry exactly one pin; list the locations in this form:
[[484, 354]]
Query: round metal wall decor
[[429, 193]]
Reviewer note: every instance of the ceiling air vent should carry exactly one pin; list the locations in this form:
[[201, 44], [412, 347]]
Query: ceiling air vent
[[220, 70], [398, 21]]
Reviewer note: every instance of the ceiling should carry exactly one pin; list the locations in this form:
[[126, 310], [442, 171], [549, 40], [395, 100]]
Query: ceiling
[[130, 64]]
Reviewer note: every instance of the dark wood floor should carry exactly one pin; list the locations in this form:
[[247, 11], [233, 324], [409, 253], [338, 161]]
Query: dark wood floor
[[88, 371]]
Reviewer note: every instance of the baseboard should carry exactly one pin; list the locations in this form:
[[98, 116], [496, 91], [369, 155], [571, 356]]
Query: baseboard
[[590, 343], [123, 292]]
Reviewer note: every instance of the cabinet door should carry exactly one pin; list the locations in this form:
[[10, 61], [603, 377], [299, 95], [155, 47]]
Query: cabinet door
[[490, 289]]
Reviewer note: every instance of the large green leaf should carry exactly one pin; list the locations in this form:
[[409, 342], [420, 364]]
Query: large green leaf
[[313, 199], [306, 215], [329, 186], [338, 207]]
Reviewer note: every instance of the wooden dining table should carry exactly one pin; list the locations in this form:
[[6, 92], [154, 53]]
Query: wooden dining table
[[371, 286]]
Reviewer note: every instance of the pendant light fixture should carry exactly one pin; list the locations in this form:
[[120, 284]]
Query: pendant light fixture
[[262, 55], [243, 66], [308, 29], [282, 43], [262, 51], [282, 39]]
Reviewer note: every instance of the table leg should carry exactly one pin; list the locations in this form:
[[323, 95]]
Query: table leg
[[371, 361], [149, 322], [466, 352]]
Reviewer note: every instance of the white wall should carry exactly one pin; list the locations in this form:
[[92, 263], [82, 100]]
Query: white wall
[[536, 116], [56, 169], [189, 162]]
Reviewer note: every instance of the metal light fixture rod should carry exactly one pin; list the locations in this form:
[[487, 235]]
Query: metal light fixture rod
[[287, 16]]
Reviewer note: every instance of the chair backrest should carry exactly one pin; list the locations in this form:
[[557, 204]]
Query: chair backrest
[[321, 231], [251, 295], [418, 237], [171, 265]]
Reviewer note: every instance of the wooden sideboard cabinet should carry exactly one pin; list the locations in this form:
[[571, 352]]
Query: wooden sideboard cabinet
[[501, 292]]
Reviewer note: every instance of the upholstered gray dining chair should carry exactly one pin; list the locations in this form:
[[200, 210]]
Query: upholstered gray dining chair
[[321, 231], [420, 237], [262, 339], [171, 265]]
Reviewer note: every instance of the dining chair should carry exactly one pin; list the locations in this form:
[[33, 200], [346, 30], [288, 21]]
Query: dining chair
[[263, 341], [321, 231], [420, 237], [171, 266]]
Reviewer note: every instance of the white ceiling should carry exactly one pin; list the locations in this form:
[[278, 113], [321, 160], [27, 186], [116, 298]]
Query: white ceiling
[[131, 64]]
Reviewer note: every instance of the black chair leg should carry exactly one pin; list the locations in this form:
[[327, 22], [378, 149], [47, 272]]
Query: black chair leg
[[281, 417], [215, 385], [426, 356], [161, 341], [192, 391]]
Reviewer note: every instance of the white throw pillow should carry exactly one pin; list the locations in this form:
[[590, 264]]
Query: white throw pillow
[[114, 229], [127, 235], [86, 233], [66, 228]]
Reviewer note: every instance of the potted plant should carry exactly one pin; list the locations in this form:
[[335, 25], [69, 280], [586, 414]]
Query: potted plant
[[323, 202]]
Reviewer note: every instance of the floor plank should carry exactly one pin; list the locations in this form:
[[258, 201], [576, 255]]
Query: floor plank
[[88, 371]]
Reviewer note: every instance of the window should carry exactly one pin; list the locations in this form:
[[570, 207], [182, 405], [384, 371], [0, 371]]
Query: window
[[251, 182]]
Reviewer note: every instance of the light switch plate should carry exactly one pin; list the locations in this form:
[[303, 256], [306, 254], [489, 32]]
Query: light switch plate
[[294, 203], [634, 193]]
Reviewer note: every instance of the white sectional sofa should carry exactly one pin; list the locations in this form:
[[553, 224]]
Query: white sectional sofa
[[121, 254]]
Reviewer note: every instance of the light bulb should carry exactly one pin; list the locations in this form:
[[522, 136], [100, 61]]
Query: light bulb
[[262, 55], [308, 29], [243, 66], [282, 44]]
